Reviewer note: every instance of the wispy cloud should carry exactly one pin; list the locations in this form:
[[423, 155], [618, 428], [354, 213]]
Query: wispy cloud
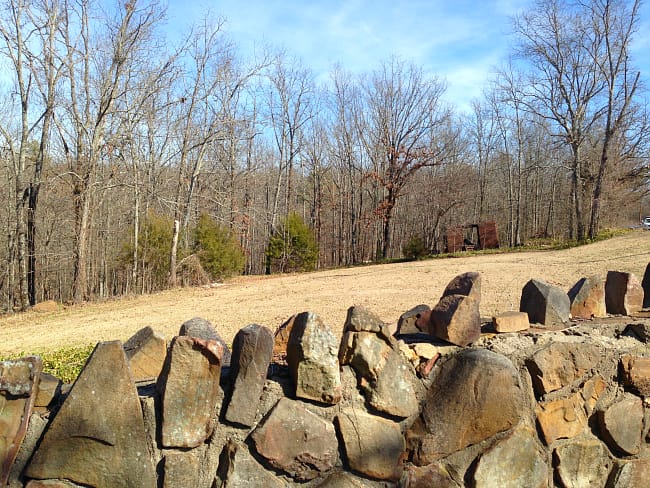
[[461, 41]]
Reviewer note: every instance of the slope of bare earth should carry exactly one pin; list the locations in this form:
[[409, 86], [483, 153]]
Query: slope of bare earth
[[388, 290]]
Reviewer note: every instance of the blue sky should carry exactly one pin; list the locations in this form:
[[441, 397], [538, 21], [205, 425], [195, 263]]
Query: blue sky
[[459, 40]]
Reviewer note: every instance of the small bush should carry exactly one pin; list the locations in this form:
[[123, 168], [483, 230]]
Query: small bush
[[415, 248], [217, 249], [293, 246]]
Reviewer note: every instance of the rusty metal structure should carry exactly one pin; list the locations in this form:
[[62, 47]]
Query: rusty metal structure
[[472, 236]]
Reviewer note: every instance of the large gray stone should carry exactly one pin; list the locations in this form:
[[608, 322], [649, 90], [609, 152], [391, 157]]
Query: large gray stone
[[587, 298], [361, 320], [456, 319], [623, 293], [583, 463], [387, 381], [372, 445], [98, 437], [313, 360], [411, 321], [622, 425], [296, 441], [238, 469], [190, 384], [545, 304], [18, 390], [251, 356], [468, 284], [559, 364], [515, 462], [203, 329], [146, 351], [476, 394]]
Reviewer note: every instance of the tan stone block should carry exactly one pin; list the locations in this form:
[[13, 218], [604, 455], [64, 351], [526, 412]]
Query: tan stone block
[[563, 418], [511, 322], [636, 373], [592, 391]]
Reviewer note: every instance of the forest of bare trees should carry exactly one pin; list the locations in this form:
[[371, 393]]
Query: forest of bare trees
[[115, 141]]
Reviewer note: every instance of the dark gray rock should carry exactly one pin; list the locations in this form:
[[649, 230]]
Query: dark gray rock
[[296, 441], [467, 284], [623, 293], [361, 320], [545, 304], [98, 437], [251, 356], [190, 386], [372, 445], [411, 322], [476, 394], [203, 329], [313, 360]]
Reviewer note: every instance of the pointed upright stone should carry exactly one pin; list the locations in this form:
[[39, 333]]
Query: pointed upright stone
[[386, 379], [191, 391], [18, 390], [545, 304], [98, 437], [146, 351], [202, 329], [623, 293], [313, 362], [251, 355], [645, 284], [587, 298], [467, 284]]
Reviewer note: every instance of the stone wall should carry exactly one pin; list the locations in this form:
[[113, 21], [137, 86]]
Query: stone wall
[[442, 400]]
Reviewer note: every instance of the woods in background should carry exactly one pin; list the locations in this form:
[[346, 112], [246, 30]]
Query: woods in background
[[130, 165]]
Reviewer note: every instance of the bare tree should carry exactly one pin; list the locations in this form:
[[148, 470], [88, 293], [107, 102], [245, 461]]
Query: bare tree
[[563, 83], [614, 23], [403, 115]]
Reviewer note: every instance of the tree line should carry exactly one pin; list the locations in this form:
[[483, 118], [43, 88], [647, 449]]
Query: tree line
[[131, 164]]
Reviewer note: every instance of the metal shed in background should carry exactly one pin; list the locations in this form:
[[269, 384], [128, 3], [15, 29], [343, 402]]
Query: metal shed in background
[[472, 236]]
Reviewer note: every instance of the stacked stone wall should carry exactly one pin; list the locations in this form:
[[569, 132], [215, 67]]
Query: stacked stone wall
[[445, 399]]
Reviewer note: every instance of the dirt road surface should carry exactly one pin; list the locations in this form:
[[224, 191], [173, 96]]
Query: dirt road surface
[[387, 290]]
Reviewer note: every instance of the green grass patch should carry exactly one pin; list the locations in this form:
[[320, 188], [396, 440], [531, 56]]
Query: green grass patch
[[65, 364]]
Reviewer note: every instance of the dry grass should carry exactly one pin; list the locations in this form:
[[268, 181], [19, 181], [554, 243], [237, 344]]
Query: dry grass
[[388, 290]]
